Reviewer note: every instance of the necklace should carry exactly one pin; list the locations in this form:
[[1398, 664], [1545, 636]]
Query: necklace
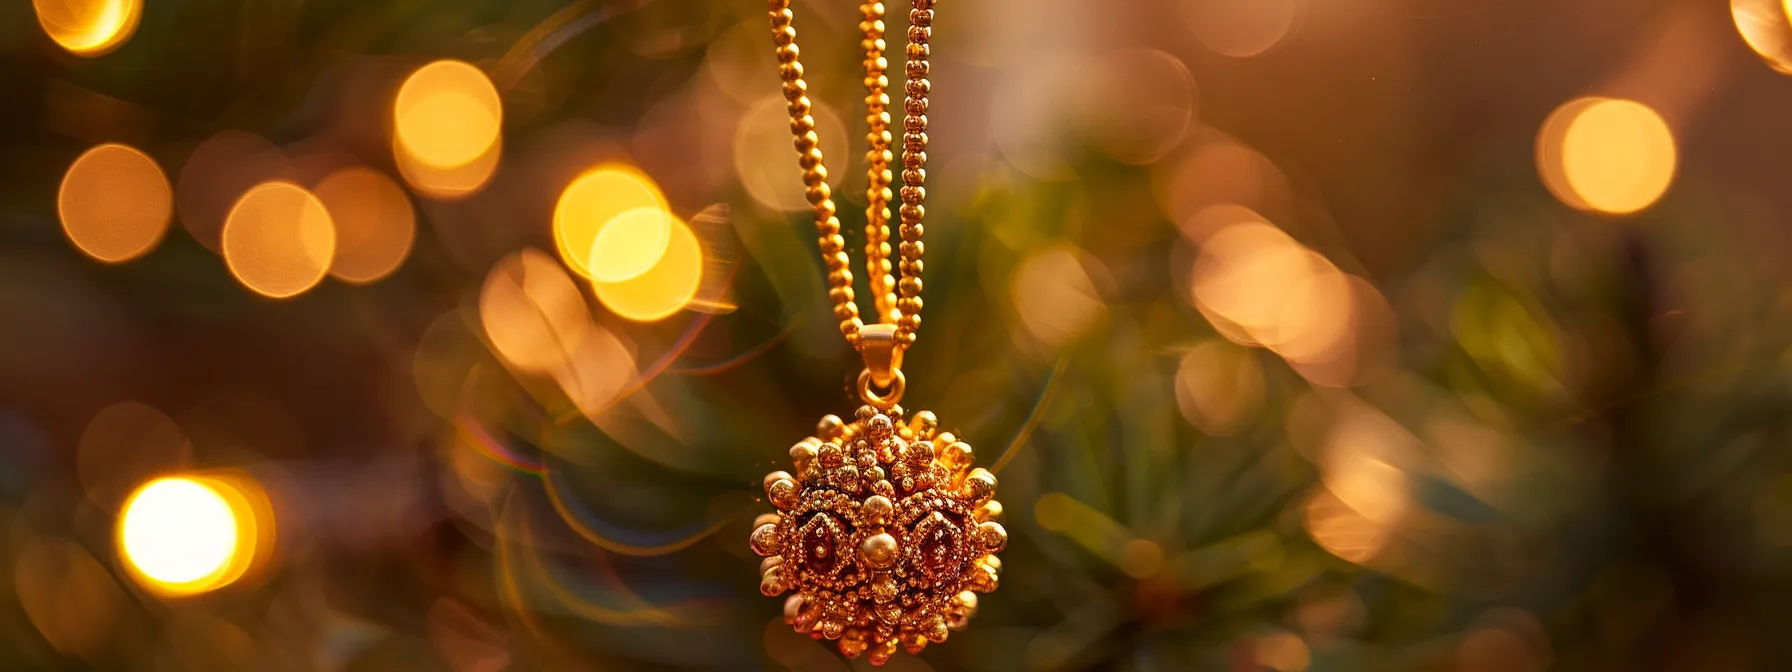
[[886, 533]]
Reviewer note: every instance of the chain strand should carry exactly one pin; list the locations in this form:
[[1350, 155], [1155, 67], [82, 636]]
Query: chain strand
[[914, 171], [877, 161], [906, 297]]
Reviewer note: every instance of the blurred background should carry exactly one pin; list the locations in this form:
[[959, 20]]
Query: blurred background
[[1309, 334]]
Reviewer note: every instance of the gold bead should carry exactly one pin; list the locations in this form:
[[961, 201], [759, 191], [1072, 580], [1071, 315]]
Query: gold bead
[[802, 455], [771, 583], [830, 427], [958, 455], [883, 587], [853, 643], [936, 631], [980, 486], [880, 652], [877, 508], [910, 286], [832, 628], [765, 540], [914, 642], [991, 510], [788, 52], [781, 489], [924, 424], [880, 550], [992, 535]]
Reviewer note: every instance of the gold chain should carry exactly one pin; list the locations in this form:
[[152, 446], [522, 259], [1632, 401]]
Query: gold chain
[[898, 303]]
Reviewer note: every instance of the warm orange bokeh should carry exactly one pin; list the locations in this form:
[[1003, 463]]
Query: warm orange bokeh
[[279, 240], [115, 203]]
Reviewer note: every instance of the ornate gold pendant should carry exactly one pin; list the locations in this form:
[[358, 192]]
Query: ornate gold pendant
[[885, 534]]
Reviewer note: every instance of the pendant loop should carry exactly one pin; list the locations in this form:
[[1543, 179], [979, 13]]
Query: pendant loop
[[882, 353], [887, 399]]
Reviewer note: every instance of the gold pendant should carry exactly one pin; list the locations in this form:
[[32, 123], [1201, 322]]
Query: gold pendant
[[885, 534]]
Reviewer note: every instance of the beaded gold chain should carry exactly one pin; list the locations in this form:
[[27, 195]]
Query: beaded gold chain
[[886, 532]]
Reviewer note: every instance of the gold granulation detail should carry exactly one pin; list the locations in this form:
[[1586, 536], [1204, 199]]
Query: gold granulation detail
[[884, 534]]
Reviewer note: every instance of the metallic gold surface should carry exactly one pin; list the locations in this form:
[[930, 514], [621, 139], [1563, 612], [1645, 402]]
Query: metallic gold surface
[[886, 544]]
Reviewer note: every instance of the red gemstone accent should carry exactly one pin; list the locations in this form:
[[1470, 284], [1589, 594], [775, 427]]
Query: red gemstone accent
[[820, 546], [941, 548]]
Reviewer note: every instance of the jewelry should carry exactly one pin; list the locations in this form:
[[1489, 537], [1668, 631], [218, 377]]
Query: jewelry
[[886, 533]]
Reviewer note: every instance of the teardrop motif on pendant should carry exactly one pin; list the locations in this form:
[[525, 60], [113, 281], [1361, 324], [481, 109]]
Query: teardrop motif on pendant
[[819, 544], [941, 548]]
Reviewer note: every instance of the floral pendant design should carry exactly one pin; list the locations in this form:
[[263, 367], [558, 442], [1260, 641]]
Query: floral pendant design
[[885, 535]]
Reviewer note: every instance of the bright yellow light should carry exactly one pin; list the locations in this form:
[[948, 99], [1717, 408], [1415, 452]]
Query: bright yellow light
[[89, 27], [1766, 29], [115, 203], [374, 223], [1606, 155], [184, 535], [447, 120], [595, 240], [279, 240], [663, 289]]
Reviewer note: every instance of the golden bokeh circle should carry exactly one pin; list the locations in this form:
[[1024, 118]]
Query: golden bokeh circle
[[115, 203], [1766, 28], [1606, 155], [188, 534], [89, 27], [375, 225], [591, 204], [663, 289], [446, 133], [279, 240]]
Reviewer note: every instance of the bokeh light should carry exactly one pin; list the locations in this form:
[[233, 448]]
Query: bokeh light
[[279, 240], [1258, 286], [89, 27], [375, 225], [1606, 155], [1054, 295], [115, 203], [1140, 103], [532, 312], [663, 289], [1219, 387], [593, 237], [1766, 27], [447, 124], [1241, 28], [765, 163], [1218, 171], [182, 535], [217, 173]]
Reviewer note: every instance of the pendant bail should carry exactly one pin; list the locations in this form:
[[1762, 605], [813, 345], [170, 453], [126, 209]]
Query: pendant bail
[[882, 354]]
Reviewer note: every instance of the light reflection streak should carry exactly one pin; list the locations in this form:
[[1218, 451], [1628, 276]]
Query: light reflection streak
[[736, 361], [515, 532], [1033, 417], [581, 522], [552, 33]]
